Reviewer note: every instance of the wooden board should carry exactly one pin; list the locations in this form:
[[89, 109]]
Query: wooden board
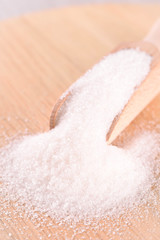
[[40, 56]]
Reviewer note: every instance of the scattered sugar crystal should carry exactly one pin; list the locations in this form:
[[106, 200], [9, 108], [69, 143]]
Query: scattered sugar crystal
[[70, 172]]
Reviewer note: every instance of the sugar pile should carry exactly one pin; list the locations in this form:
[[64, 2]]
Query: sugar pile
[[70, 172]]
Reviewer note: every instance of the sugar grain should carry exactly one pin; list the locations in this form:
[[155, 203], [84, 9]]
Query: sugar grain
[[70, 172]]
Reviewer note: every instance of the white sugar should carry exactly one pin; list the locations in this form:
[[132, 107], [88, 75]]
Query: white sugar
[[70, 172]]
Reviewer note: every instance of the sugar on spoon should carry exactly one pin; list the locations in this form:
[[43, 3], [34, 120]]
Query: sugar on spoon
[[142, 96]]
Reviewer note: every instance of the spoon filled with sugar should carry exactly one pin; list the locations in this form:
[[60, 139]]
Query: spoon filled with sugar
[[143, 93]]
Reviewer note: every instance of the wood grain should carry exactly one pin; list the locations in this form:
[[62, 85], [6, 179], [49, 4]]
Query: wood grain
[[40, 56]]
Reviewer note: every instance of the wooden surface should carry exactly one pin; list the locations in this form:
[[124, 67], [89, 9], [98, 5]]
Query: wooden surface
[[13, 8], [40, 56]]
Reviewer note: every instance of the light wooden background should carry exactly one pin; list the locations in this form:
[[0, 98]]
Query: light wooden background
[[11, 8], [40, 56]]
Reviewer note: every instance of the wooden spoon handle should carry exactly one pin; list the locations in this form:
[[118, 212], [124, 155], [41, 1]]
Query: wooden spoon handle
[[146, 92]]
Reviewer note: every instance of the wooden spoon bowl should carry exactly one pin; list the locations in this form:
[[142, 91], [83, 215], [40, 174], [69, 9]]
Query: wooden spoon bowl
[[147, 90]]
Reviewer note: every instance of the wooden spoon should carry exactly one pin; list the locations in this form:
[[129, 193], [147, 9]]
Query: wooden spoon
[[142, 96]]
